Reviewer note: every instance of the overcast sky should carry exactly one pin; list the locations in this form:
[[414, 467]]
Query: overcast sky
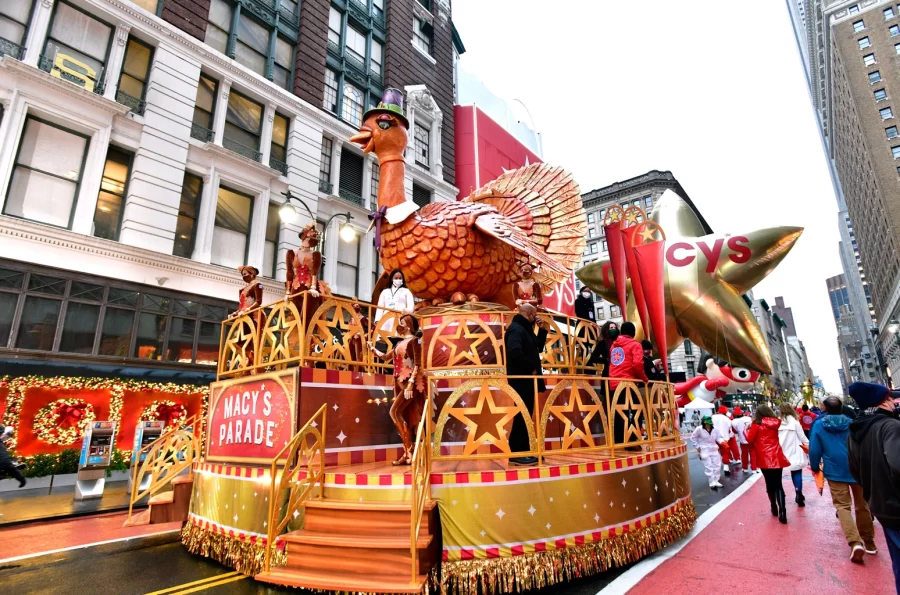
[[713, 91]]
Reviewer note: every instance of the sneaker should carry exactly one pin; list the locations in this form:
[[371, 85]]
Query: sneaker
[[714, 486], [747, 471], [524, 461], [22, 483], [857, 553], [871, 549], [718, 485]]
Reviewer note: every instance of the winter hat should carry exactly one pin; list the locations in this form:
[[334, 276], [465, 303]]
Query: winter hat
[[738, 412], [645, 344], [723, 409], [867, 394]]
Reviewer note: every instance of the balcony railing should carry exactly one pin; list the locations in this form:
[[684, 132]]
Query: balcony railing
[[375, 77], [359, 11], [279, 165], [8, 48], [98, 85], [248, 152], [354, 62], [202, 134], [289, 17], [135, 104], [351, 197], [326, 187], [334, 49]]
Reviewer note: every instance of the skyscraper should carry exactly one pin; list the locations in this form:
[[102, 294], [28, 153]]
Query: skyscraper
[[846, 48], [857, 362]]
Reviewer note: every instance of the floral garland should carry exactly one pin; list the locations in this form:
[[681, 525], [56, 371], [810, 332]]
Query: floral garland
[[63, 421], [168, 411]]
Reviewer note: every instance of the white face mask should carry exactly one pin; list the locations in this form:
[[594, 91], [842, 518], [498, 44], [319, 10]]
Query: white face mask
[[398, 282], [585, 294]]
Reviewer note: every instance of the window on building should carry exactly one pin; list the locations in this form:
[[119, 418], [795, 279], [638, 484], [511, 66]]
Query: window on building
[[421, 195], [605, 248], [278, 148], [348, 267], [423, 35], [186, 226], [135, 71], [422, 140], [590, 218], [254, 44], [231, 233], [352, 110], [376, 180], [888, 13], [615, 312], [152, 6], [891, 132], [601, 313], [688, 348], [270, 251], [378, 9], [351, 182], [591, 232], [853, 9], [325, 165], [648, 202], [243, 123], [204, 107], [869, 59], [880, 95], [895, 151], [858, 26], [14, 17], [330, 102], [894, 30], [375, 64], [335, 26], [356, 43], [108, 214], [690, 369], [602, 214], [593, 248], [875, 76], [83, 39], [886, 113], [47, 173]]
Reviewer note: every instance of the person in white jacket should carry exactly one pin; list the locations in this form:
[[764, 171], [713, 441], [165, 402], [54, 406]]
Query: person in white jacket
[[739, 425], [792, 440], [707, 441], [722, 423], [395, 297]]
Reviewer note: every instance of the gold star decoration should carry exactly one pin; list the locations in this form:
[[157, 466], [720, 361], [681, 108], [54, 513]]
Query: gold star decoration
[[331, 333], [240, 341], [486, 421], [706, 275], [577, 416], [465, 343], [629, 406]]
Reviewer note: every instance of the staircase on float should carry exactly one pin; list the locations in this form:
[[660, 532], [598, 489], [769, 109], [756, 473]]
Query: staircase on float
[[167, 507], [358, 547]]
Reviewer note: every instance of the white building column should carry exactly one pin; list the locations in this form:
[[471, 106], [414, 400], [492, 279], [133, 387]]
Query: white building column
[[331, 251], [37, 31], [91, 176], [265, 137], [434, 147], [257, 241], [335, 165], [114, 64], [221, 109], [368, 164], [365, 265], [206, 218]]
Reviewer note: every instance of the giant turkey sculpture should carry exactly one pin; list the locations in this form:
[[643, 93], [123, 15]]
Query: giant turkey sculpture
[[470, 247]]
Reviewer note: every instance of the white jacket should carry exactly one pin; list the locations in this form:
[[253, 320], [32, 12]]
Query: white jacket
[[791, 436], [723, 424], [706, 442], [740, 426]]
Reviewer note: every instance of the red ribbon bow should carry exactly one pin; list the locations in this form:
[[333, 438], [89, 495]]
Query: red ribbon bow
[[70, 414], [169, 413]]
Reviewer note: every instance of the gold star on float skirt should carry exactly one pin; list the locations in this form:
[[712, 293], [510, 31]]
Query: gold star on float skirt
[[464, 344], [485, 425], [705, 277], [577, 427]]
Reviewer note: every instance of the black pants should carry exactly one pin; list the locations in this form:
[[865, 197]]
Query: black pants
[[773, 480], [518, 436], [8, 469]]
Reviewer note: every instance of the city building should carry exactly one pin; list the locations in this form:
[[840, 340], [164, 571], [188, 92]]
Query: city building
[[773, 327], [797, 356], [847, 49], [641, 191], [146, 149], [853, 347]]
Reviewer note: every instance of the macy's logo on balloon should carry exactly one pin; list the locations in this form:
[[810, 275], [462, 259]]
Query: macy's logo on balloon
[[681, 254]]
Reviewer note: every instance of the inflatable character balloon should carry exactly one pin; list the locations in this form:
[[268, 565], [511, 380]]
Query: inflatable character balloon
[[716, 381]]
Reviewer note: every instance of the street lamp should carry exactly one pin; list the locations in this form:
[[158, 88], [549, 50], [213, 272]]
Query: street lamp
[[288, 212], [347, 233]]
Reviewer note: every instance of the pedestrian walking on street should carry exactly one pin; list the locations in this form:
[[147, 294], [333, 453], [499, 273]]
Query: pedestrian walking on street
[[706, 440], [739, 426], [7, 465], [793, 441], [807, 419], [722, 423], [763, 438], [828, 451], [874, 454]]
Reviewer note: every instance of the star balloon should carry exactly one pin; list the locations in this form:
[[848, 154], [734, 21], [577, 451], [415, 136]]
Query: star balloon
[[706, 275]]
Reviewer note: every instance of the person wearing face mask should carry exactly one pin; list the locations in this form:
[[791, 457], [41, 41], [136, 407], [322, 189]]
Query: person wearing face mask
[[523, 358], [584, 305], [609, 332], [395, 297]]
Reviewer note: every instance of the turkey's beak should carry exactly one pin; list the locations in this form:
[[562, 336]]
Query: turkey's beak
[[364, 139]]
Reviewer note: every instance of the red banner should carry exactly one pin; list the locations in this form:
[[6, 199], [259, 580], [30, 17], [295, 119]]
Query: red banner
[[651, 268], [251, 419], [636, 285], [616, 245]]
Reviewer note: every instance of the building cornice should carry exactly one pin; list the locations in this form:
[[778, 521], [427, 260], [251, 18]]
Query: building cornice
[[221, 152], [654, 177]]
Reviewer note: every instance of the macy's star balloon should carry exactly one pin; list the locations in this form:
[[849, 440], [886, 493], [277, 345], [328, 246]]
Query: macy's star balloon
[[705, 277]]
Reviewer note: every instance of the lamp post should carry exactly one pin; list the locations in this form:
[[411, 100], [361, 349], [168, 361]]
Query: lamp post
[[347, 233], [288, 214]]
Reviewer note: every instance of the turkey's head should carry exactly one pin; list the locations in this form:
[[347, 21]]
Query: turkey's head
[[384, 134]]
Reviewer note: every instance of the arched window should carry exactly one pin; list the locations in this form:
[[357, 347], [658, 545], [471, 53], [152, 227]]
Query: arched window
[[353, 105]]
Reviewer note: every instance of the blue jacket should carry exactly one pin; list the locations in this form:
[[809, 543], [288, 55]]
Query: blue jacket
[[828, 443]]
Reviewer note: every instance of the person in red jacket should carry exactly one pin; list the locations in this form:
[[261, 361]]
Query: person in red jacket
[[763, 439], [626, 361]]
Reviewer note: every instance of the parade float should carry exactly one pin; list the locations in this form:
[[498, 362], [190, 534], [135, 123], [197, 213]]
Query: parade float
[[351, 447]]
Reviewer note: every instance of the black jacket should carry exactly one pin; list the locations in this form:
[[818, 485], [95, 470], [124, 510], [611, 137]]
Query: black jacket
[[523, 349], [584, 308], [4, 454], [874, 452]]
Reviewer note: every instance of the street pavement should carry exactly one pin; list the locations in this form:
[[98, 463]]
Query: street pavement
[[150, 564]]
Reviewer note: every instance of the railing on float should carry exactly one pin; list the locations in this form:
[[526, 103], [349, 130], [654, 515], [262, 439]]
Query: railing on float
[[303, 470], [420, 486], [327, 332], [165, 458]]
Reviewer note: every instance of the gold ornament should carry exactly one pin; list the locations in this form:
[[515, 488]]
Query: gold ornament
[[485, 421], [706, 274]]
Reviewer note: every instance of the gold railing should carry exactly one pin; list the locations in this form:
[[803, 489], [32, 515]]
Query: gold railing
[[327, 332], [420, 487], [303, 470], [165, 458]]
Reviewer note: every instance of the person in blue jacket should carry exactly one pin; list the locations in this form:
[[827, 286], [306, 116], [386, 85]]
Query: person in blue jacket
[[828, 451]]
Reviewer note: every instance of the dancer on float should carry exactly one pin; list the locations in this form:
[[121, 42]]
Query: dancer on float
[[250, 295], [303, 272], [526, 290], [409, 383]]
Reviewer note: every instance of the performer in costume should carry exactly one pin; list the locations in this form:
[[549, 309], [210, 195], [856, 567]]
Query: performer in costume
[[409, 383], [526, 290], [355, 342], [395, 297], [250, 296], [303, 272]]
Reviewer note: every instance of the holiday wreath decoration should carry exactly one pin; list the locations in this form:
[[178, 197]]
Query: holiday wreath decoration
[[170, 412], [63, 421]]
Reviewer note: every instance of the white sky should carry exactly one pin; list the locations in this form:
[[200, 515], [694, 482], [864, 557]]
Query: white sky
[[713, 91]]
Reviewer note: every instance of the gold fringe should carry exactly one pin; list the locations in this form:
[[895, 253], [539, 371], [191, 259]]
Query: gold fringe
[[243, 556], [536, 571]]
